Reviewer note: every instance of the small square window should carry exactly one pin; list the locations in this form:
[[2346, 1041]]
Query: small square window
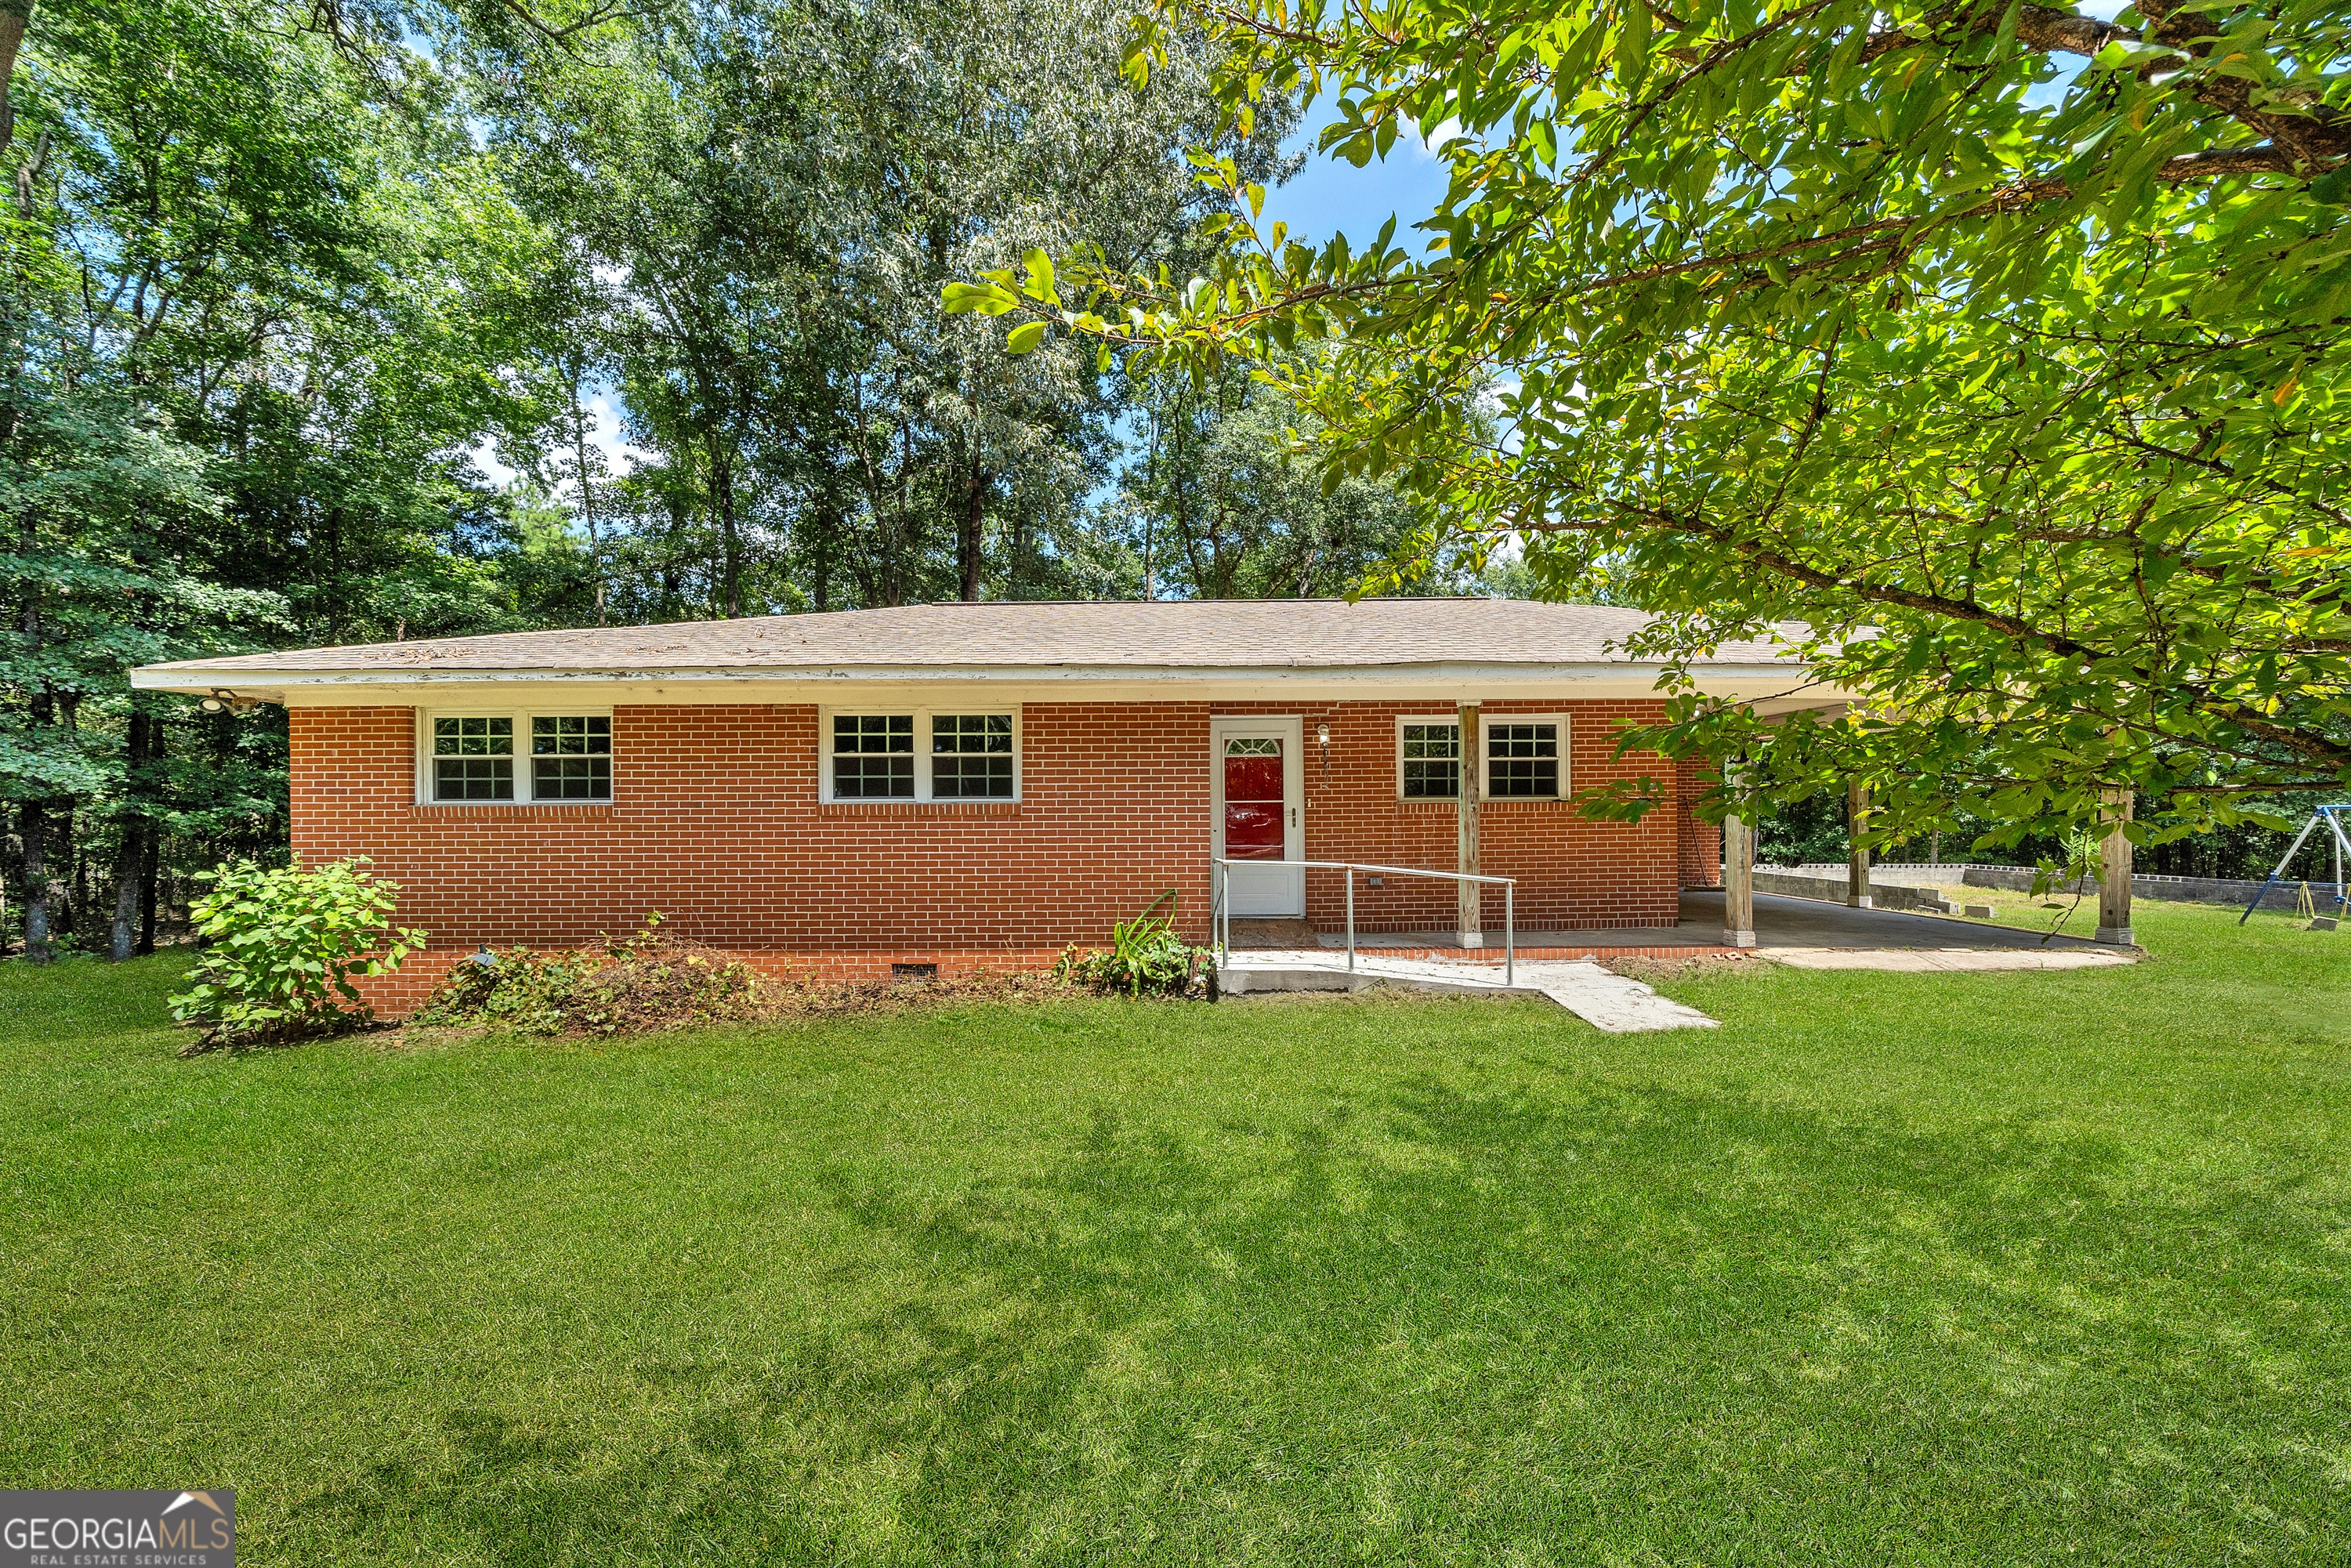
[[1431, 761], [472, 759], [874, 756], [571, 758], [971, 756], [1522, 760]]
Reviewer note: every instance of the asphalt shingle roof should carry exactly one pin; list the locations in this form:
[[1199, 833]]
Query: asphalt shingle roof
[[1315, 633]]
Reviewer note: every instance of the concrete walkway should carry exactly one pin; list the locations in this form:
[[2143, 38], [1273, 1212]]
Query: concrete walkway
[[1607, 1001], [1610, 1002], [1802, 933]]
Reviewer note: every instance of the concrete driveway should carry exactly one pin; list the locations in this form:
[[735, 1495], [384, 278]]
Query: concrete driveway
[[1784, 922]]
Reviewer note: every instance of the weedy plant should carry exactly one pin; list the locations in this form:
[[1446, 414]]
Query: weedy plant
[[1145, 955], [646, 981], [281, 945]]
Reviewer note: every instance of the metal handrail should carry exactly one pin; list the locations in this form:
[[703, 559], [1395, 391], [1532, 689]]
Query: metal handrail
[[1220, 903]]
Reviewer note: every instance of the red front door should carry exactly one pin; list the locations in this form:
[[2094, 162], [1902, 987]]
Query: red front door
[[1254, 806]]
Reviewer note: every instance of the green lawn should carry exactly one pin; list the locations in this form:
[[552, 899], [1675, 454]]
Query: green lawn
[[1892, 1269]]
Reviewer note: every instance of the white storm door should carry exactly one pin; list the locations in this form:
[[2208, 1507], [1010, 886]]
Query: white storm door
[[1259, 776]]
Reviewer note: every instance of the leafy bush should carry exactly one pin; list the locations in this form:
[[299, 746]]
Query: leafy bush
[[1145, 954], [645, 982], [281, 945]]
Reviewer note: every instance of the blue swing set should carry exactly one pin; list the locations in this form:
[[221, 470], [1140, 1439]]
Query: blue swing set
[[2332, 817]]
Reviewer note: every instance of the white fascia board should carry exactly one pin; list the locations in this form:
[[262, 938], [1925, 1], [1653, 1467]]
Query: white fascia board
[[1769, 690], [198, 680]]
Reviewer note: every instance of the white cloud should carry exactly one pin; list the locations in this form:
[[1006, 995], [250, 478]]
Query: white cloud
[[485, 458], [620, 457], [607, 436], [1431, 143]]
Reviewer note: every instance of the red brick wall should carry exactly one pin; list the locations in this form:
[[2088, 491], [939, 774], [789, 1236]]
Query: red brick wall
[[1573, 873], [715, 821]]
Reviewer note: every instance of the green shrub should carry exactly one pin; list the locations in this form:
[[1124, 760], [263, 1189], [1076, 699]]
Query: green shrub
[[281, 945], [1145, 955], [645, 982]]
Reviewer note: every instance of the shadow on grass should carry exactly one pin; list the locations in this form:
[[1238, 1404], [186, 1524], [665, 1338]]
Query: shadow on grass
[[1660, 1325]]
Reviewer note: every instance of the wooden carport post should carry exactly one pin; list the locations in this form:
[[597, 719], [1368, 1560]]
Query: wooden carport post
[[1471, 906], [2115, 872], [1856, 859], [1738, 875]]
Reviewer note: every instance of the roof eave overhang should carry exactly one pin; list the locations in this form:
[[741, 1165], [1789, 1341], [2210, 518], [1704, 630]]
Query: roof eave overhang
[[198, 679], [1768, 686]]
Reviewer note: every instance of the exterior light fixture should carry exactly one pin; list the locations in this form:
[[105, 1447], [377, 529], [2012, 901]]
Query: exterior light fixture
[[1323, 739], [227, 702]]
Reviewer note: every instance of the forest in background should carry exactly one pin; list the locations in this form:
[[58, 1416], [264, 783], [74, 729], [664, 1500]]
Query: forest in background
[[289, 283], [316, 315]]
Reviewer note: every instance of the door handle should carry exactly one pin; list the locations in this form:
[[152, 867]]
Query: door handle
[[1293, 816]]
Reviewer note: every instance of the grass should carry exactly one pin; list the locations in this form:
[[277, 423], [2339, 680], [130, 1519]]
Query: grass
[[1891, 1269]]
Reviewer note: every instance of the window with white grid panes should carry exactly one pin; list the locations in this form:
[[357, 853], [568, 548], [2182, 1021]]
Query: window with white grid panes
[[1524, 757], [519, 758], [1429, 759], [971, 756], [946, 754]]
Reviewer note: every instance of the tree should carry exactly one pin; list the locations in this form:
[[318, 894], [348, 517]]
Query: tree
[[1226, 505], [2001, 345], [774, 197], [255, 317]]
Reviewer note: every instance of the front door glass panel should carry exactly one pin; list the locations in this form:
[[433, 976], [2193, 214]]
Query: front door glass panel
[[1253, 803]]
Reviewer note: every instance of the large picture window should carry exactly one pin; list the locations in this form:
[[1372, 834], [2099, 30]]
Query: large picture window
[[516, 757], [921, 755]]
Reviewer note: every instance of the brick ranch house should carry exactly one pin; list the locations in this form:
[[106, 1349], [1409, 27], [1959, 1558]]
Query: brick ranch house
[[982, 784]]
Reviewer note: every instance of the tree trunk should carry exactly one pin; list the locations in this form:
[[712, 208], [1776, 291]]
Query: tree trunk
[[722, 501], [130, 854], [76, 921], [967, 534], [14, 16], [587, 495], [33, 826], [150, 875]]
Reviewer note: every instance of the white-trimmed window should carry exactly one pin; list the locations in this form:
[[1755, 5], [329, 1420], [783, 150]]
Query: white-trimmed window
[[514, 757], [919, 754], [1524, 756], [1428, 758]]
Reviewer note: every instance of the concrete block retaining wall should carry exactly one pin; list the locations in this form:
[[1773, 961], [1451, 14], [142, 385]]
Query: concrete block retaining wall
[[1806, 882]]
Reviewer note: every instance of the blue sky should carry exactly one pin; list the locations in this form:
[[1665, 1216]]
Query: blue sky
[[1330, 195]]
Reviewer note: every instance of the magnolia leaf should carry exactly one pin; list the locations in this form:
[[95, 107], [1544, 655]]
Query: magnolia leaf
[[1024, 338], [983, 298]]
